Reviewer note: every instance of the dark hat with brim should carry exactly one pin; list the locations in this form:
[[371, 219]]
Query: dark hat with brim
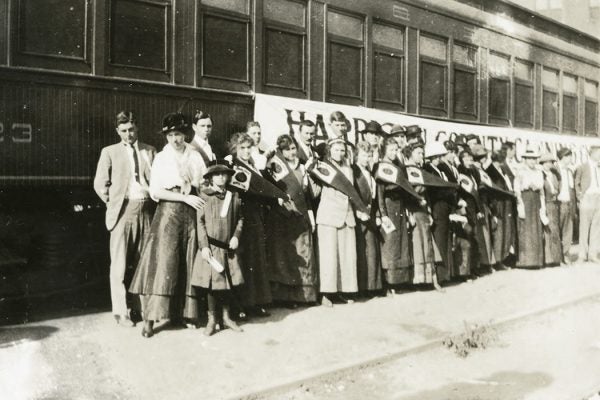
[[174, 122], [373, 127], [478, 151], [218, 169], [413, 130], [564, 152], [398, 129]]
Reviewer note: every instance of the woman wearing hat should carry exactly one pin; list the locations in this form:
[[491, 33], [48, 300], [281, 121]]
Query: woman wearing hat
[[162, 278], [291, 255], [529, 189], [424, 250], [552, 248], [216, 267], [395, 240]]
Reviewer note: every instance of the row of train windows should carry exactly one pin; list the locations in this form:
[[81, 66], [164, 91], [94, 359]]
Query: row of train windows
[[140, 36]]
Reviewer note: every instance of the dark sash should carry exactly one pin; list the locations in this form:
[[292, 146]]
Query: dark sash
[[327, 173], [417, 176], [248, 180], [391, 174]]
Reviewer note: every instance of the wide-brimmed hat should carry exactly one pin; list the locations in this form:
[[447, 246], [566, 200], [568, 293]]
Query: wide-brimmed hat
[[564, 152], [174, 122], [531, 153], [547, 157], [460, 141], [218, 169], [373, 127], [478, 151], [398, 129], [434, 149], [413, 130], [472, 136]]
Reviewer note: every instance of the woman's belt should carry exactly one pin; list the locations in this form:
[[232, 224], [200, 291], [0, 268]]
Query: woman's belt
[[177, 189], [218, 243]]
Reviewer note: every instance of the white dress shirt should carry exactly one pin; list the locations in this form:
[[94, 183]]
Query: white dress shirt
[[136, 190]]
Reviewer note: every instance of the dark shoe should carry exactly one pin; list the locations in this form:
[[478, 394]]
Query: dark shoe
[[500, 267], [259, 312], [211, 325], [125, 321], [228, 322], [345, 299], [148, 330], [191, 323]]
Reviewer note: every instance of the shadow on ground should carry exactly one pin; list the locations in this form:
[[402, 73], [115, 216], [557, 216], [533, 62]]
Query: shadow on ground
[[505, 385], [13, 335]]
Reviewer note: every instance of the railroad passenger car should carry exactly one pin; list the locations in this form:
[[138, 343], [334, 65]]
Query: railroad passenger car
[[66, 67]]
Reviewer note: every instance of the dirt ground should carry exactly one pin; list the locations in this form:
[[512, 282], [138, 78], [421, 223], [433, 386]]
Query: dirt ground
[[554, 356], [89, 357]]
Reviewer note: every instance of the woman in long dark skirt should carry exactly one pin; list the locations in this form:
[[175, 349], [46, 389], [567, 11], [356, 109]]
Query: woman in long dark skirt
[[368, 262], [425, 252], [291, 254], [395, 240], [529, 188], [256, 291], [162, 278], [552, 247]]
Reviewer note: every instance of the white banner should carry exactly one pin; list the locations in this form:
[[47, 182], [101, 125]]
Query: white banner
[[281, 115]]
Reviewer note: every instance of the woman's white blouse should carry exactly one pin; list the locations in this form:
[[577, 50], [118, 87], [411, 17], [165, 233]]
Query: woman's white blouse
[[529, 179], [171, 168]]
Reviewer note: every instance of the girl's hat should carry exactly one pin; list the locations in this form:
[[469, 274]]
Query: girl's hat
[[218, 169], [373, 127]]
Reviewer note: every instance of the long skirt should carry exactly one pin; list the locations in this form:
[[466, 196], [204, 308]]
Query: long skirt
[[337, 259], [291, 258], [368, 257], [395, 246], [162, 278], [424, 249], [552, 245], [442, 237], [485, 250], [256, 289], [504, 237], [531, 233]]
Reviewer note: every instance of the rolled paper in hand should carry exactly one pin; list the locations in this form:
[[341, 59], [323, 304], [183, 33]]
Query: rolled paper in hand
[[216, 265]]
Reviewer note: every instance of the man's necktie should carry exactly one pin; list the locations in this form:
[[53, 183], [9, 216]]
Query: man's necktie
[[136, 164]]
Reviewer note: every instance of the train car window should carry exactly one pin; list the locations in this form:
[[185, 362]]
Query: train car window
[[139, 34], [285, 46], [284, 59], [569, 104], [345, 25], [54, 34], [433, 48], [591, 108], [523, 92], [345, 57], [285, 11], [53, 27], [389, 66], [499, 88], [464, 63], [550, 99], [240, 6], [225, 48], [388, 36], [433, 53]]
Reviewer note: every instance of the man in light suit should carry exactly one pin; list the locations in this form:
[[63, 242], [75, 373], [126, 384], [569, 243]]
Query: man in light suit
[[121, 181], [587, 191]]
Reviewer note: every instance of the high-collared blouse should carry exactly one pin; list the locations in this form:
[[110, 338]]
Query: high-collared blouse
[[529, 179], [173, 169]]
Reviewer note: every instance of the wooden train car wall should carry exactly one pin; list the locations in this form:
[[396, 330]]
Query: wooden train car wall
[[483, 61], [52, 132]]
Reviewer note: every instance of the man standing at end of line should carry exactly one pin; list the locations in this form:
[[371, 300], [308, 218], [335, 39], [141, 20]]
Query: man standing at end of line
[[587, 190], [121, 181], [567, 201]]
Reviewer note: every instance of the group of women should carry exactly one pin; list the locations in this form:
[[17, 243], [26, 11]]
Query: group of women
[[306, 223]]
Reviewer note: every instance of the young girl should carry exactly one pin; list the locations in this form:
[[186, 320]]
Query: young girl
[[219, 226]]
